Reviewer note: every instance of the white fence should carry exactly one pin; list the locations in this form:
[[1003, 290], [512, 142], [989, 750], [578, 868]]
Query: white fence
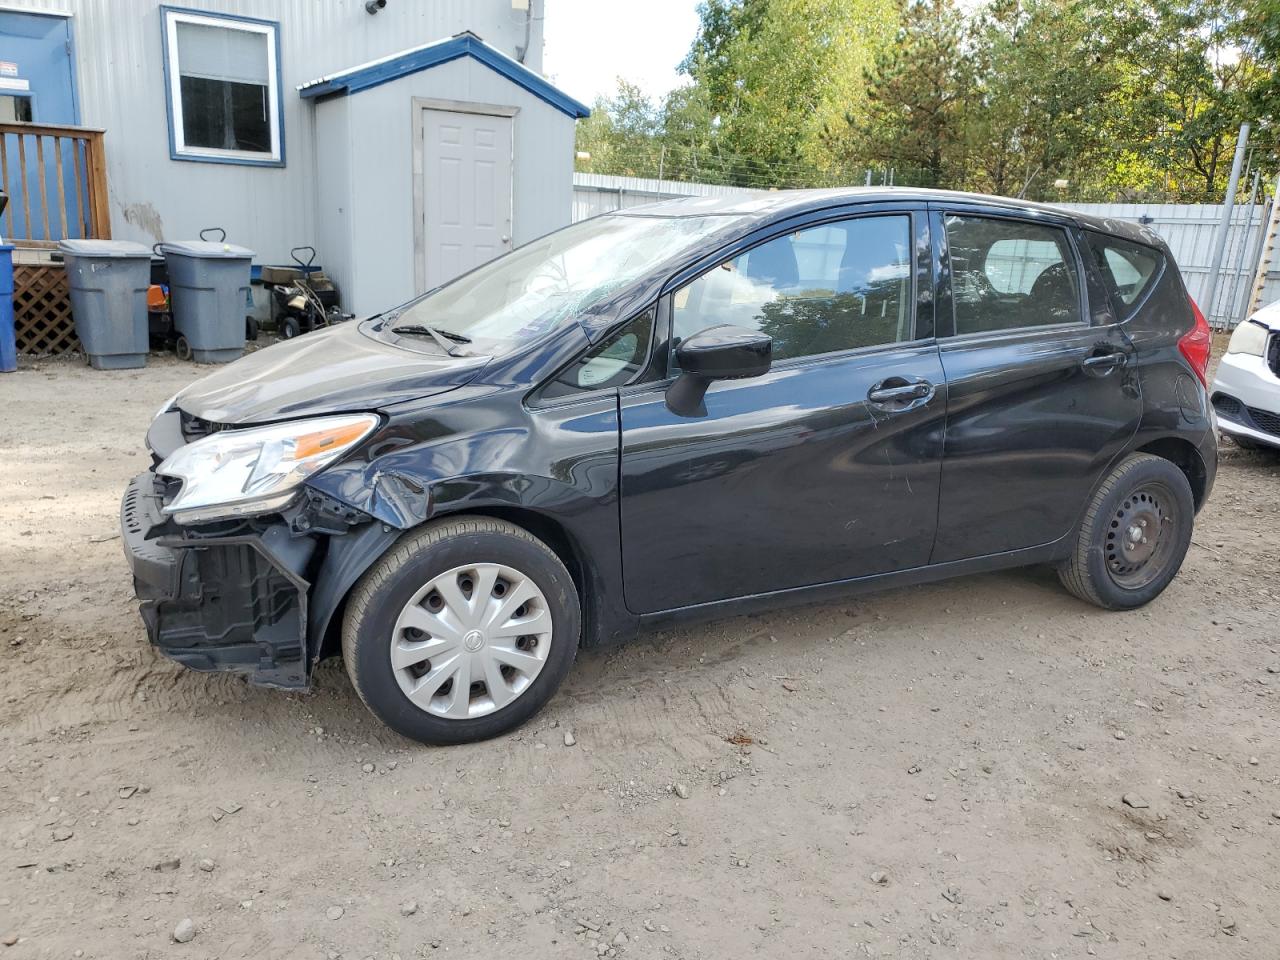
[[597, 193], [1188, 229]]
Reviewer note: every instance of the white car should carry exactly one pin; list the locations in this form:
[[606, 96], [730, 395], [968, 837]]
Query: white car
[[1246, 391]]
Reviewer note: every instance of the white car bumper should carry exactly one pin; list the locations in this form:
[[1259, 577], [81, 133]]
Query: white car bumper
[[1246, 398]]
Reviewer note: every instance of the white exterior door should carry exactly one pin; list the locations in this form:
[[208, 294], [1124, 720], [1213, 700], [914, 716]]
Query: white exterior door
[[466, 191]]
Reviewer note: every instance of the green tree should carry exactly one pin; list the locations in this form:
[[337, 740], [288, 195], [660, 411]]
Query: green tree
[[1193, 72], [918, 92], [1132, 99], [1044, 79], [621, 134], [779, 78]]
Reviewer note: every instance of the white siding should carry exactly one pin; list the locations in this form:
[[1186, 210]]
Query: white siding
[[377, 149], [120, 65], [332, 155]]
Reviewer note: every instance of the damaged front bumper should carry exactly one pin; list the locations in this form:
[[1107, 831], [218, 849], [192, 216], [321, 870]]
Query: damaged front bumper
[[234, 602]]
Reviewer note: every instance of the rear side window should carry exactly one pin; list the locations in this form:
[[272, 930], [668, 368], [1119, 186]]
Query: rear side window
[[1128, 268], [838, 286], [1007, 274]]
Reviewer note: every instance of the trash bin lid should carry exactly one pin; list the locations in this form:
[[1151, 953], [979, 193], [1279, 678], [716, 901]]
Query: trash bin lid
[[103, 248], [207, 249]]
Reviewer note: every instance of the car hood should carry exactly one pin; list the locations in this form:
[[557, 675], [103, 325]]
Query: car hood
[[1268, 316], [333, 370]]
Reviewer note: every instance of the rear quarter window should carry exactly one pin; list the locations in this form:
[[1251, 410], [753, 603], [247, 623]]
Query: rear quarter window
[[1128, 269]]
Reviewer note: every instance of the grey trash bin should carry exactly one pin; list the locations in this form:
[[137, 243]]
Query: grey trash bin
[[108, 281], [208, 289]]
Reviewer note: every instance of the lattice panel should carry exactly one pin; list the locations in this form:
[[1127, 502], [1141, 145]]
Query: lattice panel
[[42, 309]]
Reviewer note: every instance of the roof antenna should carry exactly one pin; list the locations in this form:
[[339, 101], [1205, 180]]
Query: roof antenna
[[373, 6]]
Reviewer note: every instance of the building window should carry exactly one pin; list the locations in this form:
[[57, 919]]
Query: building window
[[223, 88]]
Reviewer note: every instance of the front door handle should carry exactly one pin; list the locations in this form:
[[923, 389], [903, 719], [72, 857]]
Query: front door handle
[[896, 390]]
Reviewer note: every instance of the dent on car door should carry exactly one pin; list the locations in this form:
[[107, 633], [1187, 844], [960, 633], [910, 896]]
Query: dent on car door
[[1042, 389], [822, 469]]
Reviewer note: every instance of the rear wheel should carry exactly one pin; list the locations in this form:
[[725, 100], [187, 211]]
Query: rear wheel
[[289, 327], [462, 632], [1134, 535], [182, 347]]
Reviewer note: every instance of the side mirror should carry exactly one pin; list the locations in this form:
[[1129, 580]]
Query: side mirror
[[717, 353]]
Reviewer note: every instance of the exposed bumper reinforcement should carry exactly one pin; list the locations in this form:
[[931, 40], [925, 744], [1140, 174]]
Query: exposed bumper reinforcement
[[235, 603]]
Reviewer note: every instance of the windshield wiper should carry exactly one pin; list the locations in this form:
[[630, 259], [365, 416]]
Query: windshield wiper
[[441, 337]]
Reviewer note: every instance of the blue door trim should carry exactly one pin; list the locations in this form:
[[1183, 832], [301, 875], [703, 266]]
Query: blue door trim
[[70, 21]]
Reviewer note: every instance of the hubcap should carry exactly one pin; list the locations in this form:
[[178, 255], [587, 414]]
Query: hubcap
[[471, 640], [1140, 538]]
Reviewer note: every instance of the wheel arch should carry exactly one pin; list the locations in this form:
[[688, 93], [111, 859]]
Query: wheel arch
[[600, 620], [1183, 454], [546, 528]]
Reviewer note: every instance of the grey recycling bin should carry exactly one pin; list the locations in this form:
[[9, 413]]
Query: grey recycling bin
[[108, 281], [208, 288]]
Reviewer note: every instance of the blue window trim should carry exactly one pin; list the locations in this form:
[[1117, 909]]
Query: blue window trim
[[432, 55], [247, 161]]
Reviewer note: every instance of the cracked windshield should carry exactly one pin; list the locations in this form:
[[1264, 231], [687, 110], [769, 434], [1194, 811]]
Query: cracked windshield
[[523, 295]]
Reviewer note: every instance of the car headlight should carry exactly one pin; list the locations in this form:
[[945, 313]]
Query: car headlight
[[237, 473], [1250, 338]]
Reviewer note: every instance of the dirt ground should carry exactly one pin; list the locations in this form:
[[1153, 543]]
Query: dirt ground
[[929, 772]]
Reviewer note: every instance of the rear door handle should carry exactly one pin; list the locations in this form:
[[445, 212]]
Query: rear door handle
[[896, 390], [1103, 363]]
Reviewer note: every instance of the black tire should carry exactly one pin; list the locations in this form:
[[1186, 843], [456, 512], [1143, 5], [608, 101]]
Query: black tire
[[250, 328], [289, 327], [382, 593], [182, 347], [1109, 569]]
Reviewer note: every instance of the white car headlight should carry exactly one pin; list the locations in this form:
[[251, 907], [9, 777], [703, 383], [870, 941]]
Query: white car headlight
[[1250, 338], [237, 473]]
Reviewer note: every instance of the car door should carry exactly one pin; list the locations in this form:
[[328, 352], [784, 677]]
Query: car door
[[1042, 389], [824, 469]]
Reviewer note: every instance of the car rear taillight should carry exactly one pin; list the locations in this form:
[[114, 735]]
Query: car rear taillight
[[1195, 344]]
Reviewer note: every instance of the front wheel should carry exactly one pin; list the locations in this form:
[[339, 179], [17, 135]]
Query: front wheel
[[462, 631], [1134, 535]]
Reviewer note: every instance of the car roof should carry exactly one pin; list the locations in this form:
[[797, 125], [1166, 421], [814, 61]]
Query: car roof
[[767, 205]]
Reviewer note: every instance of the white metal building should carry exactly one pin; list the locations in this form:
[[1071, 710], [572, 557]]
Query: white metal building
[[485, 143], [292, 122]]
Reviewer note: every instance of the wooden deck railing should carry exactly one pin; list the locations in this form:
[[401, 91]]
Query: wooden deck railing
[[56, 178]]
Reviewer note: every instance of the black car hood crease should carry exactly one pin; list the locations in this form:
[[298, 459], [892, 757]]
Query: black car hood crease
[[334, 370]]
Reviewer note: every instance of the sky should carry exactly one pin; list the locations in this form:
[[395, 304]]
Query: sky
[[588, 44]]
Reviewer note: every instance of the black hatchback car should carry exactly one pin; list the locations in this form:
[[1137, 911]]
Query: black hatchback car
[[690, 409]]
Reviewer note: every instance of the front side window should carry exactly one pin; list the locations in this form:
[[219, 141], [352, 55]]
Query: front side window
[[224, 94], [1007, 274], [834, 287]]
